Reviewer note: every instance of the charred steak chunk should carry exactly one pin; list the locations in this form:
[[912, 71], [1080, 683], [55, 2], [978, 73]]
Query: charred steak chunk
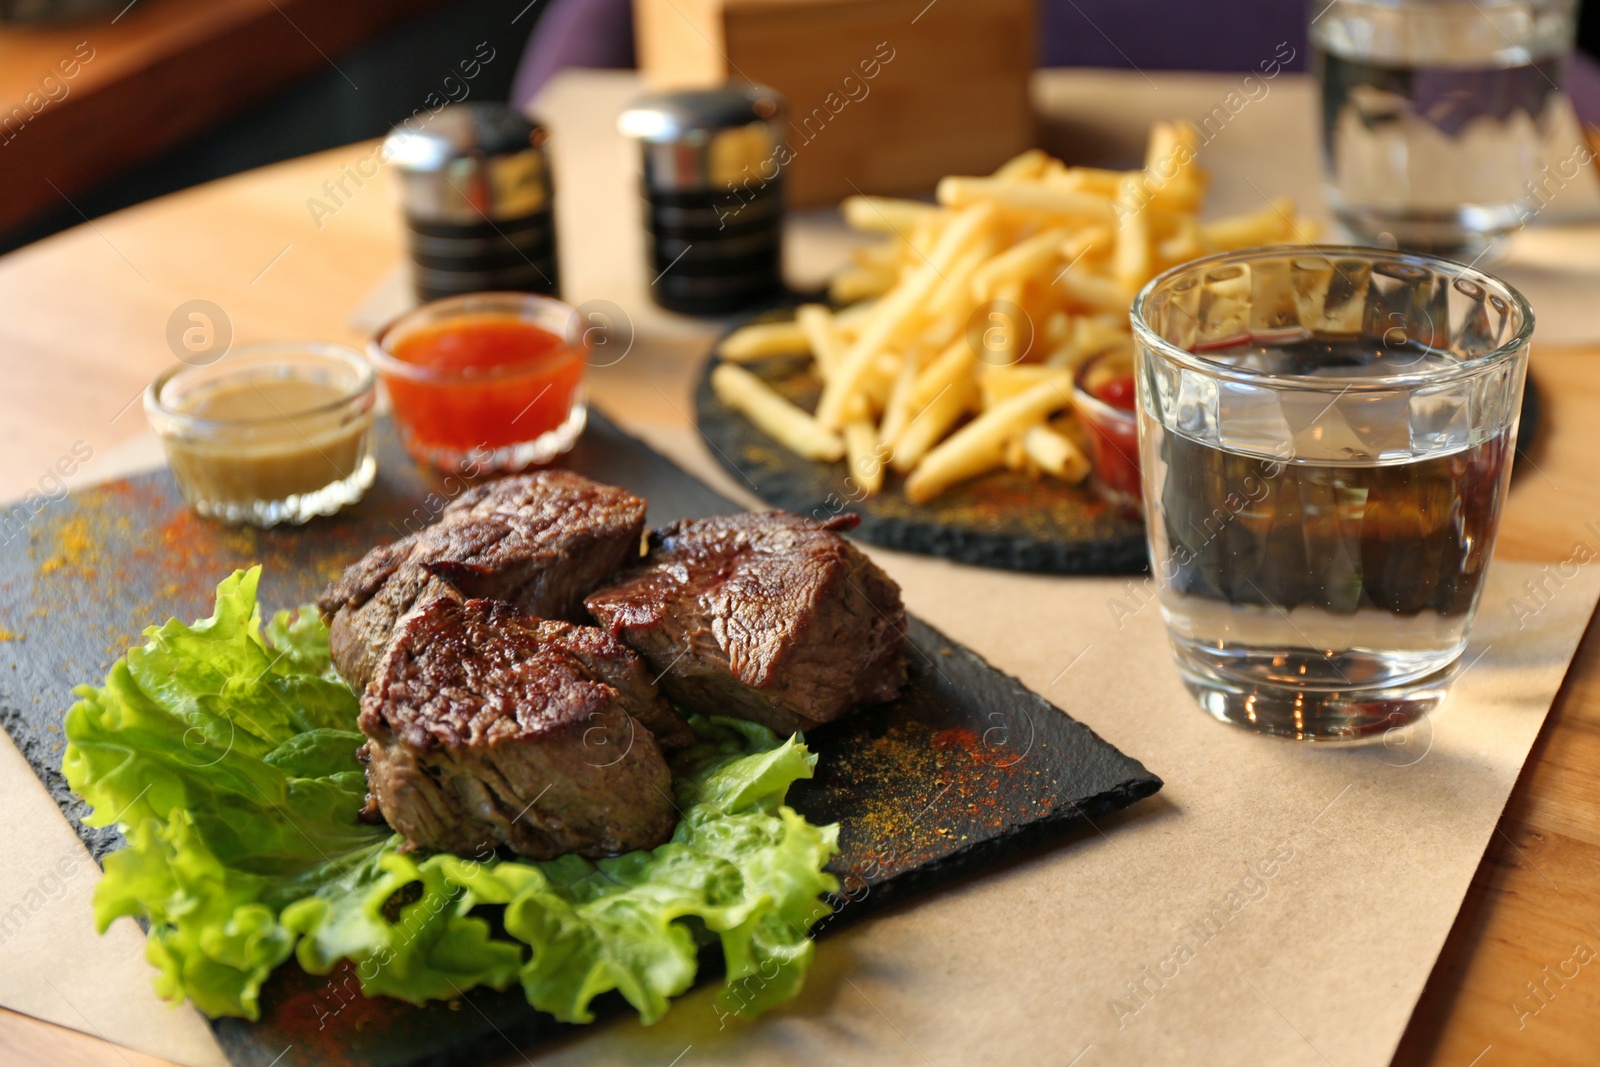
[[487, 726], [770, 617], [539, 541]]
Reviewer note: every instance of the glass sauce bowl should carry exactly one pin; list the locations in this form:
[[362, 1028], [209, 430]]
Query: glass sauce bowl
[[1103, 393], [268, 433], [487, 381]]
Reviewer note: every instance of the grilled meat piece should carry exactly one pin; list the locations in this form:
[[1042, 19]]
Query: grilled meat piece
[[539, 541], [770, 617], [489, 727]]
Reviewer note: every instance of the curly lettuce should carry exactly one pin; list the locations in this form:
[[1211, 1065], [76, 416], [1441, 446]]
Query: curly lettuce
[[227, 755]]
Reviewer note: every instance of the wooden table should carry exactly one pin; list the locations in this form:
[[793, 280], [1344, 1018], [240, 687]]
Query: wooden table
[[83, 317], [137, 83]]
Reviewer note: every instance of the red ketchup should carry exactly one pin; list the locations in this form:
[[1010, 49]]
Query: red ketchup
[[498, 380], [1114, 438], [1118, 392]]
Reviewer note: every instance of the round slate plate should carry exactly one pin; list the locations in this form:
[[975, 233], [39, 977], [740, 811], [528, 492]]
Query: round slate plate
[[1003, 519]]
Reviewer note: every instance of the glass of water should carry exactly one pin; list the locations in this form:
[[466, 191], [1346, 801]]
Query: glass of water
[[1326, 436], [1439, 115]]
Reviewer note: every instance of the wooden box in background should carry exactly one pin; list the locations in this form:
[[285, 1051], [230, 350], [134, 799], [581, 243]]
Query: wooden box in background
[[885, 96]]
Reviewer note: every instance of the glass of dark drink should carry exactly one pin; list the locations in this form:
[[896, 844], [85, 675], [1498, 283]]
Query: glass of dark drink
[[1326, 437]]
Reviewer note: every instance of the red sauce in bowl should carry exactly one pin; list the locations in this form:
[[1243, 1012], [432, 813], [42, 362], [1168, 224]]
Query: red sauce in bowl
[[1118, 392], [1113, 430], [486, 381]]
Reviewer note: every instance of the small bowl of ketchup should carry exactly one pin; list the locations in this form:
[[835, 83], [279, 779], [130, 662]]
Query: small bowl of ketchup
[[1103, 392], [486, 381]]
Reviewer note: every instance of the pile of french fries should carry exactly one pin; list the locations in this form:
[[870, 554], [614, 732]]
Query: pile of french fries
[[956, 352]]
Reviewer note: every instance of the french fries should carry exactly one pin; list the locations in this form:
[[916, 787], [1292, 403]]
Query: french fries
[[1033, 197], [863, 455], [968, 321], [791, 427], [1273, 224], [897, 313], [879, 214], [764, 339], [964, 452], [929, 425], [1055, 453], [822, 335]]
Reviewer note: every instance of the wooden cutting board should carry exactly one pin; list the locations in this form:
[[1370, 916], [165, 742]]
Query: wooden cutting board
[[966, 768]]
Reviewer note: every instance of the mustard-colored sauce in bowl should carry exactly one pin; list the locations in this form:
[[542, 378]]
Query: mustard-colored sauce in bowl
[[268, 434]]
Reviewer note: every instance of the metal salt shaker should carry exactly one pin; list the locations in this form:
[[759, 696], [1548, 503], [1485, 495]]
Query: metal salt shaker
[[713, 192], [478, 199]]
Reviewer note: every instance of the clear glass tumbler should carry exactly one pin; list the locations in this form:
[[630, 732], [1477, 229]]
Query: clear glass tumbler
[[1326, 436], [1438, 116]]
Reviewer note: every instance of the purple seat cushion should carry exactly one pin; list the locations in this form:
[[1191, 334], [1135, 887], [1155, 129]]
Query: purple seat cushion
[[1172, 34], [574, 33], [1583, 85]]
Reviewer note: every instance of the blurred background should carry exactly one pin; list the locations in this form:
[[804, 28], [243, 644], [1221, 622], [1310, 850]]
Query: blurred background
[[106, 103]]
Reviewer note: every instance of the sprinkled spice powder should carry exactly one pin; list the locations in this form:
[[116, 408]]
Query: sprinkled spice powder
[[72, 546], [930, 792]]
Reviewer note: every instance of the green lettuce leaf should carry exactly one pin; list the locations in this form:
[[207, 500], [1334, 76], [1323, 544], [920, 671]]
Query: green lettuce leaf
[[226, 752]]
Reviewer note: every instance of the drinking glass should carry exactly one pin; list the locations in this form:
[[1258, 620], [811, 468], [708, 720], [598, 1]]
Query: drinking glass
[[1438, 116], [1326, 436]]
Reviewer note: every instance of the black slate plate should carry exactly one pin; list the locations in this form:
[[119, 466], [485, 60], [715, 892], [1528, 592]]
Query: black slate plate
[[966, 768], [1003, 519]]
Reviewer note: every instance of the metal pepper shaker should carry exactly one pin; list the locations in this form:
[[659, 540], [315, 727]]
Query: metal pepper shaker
[[713, 191], [478, 199]]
